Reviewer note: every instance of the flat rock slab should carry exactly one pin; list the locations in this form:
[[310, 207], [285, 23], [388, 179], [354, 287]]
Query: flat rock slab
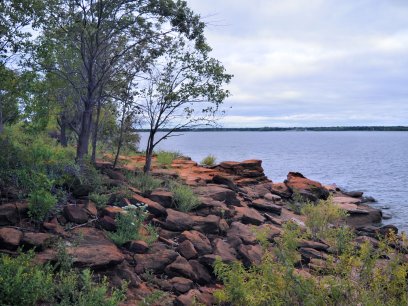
[[249, 215], [10, 238], [218, 193], [266, 205]]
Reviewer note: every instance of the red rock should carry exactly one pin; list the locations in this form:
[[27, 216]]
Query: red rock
[[208, 224], [124, 272], [75, 214], [112, 211], [181, 284], [199, 240], [54, 227], [273, 198], [202, 276], [266, 205], [94, 250], [137, 246], [107, 223], [36, 240], [156, 260], [309, 253], [313, 245], [187, 250], [180, 267], [178, 221], [10, 238], [91, 209], [114, 175], [281, 190], [312, 190], [242, 232], [224, 250], [250, 254], [193, 297], [153, 207], [164, 198], [218, 193], [8, 214], [250, 216]]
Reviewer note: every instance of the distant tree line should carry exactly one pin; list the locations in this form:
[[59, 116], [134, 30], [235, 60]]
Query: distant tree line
[[94, 69]]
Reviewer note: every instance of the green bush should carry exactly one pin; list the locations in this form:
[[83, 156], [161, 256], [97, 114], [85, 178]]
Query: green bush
[[41, 202], [209, 160], [100, 200], [165, 158], [129, 227], [22, 283], [144, 182], [184, 198]]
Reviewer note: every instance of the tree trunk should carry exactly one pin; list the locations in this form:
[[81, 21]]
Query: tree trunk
[[84, 135], [1, 119], [149, 153], [63, 131], [95, 132], [122, 127]]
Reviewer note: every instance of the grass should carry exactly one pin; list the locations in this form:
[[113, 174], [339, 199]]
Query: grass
[[165, 158], [209, 160], [144, 182], [184, 198]]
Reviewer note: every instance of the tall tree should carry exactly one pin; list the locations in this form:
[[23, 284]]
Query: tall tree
[[103, 33], [184, 90]]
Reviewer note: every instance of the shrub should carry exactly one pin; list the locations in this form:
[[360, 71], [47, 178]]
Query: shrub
[[322, 216], [41, 202], [184, 198], [22, 283], [209, 160], [165, 158], [100, 200], [129, 226], [144, 182]]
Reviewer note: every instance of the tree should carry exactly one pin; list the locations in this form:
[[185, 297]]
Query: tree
[[103, 33], [184, 90]]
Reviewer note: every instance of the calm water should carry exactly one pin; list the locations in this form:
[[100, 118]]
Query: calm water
[[373, 162]]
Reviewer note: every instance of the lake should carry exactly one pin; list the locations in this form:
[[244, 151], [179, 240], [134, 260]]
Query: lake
[[373, 162]]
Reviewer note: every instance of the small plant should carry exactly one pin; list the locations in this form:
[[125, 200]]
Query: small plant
[[154, 298], [99, 199], [41, 202], [209, 160], [22, 283], [184, 198], [144, 182], [165, 158], [297, 203]]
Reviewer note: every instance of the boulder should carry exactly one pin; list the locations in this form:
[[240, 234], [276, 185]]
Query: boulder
[[208, 224], [153, 207], [94, 250], [180, 267], [249, 215], [187, 250], [181, 284], [112, 211], [202, 276], [250, 254], [224, 250], [218, 193], [308, 189], [10, 238], [265, 205], [36, 240], [107, 223], [241, 231], [11, 213], [193, 297], [200, 242], [164, 198], [313, 245], [76, 214], [178, 221], [137, 246], [155, 260], [281, 190]]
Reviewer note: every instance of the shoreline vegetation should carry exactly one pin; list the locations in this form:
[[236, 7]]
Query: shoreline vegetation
[[294, 129]]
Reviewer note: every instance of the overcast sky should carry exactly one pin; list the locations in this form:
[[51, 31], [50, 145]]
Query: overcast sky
[[311, 62]]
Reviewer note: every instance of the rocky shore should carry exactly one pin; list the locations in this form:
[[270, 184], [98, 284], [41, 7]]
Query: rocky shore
[[234, 197]]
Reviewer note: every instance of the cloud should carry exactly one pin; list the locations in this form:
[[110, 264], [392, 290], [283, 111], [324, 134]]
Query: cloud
[[312, 62]]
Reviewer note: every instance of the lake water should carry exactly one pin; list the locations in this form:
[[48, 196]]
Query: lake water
[[373, 162]]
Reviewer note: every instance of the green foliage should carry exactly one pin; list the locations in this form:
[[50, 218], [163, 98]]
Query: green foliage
[[184, 198], [99, 199], [144, 182], [130, 225], [22, 283], [322, 216], [165, 158], [153, 298], [209, 160], [297, 203], [41, 202]]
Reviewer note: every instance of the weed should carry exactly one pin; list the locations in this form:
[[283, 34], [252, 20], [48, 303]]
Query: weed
[[144, 182], [99, 199], [165, 158], [184, 198], [209, 160], [41, 202]]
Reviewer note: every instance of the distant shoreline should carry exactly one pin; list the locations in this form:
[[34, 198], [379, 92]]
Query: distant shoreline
[[296, 129]]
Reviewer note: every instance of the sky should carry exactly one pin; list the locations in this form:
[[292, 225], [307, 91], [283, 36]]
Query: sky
[[311, 62]]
